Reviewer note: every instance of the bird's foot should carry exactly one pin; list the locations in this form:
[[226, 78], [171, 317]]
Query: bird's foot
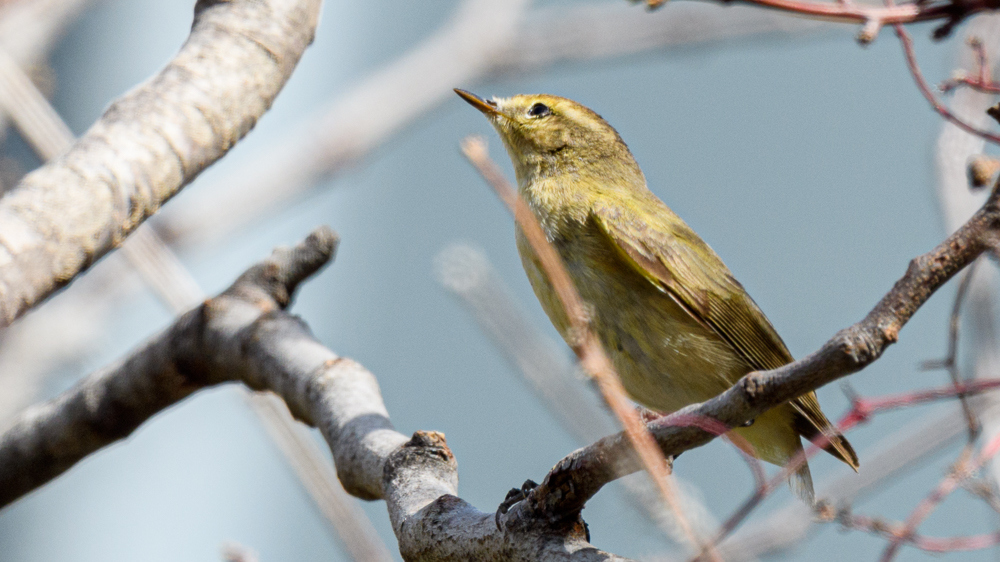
[[513, 496]]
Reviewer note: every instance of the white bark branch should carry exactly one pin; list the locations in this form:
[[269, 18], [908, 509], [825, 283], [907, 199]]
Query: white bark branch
[[148, 145], [243, 335]]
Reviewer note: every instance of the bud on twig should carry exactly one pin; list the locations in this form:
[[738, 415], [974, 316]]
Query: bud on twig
[[982, 170]]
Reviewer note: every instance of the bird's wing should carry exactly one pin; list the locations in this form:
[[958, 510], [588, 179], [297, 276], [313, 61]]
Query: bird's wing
[[673, 258]]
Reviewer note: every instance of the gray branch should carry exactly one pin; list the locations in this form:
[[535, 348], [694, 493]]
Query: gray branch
[[148, 145], [244, 335]]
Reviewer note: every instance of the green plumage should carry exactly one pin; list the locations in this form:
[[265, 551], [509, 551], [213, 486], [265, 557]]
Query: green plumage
[[678, 326]]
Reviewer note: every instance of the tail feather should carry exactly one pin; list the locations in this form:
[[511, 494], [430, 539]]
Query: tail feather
[[839, 447], [801, 483], [813, 425]]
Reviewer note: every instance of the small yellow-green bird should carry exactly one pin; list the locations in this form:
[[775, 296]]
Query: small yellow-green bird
[[678, 326]]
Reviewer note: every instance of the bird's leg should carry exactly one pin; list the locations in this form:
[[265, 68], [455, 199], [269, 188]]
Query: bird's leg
[[513, 496]]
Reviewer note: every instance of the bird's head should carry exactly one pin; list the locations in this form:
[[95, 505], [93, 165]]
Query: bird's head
[[549, 135]]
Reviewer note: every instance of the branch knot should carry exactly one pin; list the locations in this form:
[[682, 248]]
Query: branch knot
[[424, 450]]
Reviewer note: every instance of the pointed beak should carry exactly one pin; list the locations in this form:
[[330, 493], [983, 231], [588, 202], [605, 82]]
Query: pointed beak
[[489, 108]]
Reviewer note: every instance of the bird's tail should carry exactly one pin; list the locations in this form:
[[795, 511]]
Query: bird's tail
[[801, 483], [813, 425]]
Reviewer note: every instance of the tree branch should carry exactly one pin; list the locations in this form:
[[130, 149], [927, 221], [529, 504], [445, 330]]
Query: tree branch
[[244, 335], [148, 145], [48, 439]]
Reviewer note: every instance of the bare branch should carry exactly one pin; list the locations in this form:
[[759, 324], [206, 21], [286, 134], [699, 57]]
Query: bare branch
[[243, 335], [902, 451], [28, 30], [925, 90], [46, 440], [31, 112], [892, 456], [149, 144]]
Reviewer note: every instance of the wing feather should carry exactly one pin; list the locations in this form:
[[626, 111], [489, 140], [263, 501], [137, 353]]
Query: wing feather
[[675, 259]]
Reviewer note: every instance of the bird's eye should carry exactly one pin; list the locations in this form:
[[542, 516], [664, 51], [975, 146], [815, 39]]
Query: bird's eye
[[539, 110]]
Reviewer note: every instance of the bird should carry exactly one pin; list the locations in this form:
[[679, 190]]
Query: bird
[[676, 324]]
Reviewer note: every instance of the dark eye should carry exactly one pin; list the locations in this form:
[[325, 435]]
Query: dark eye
[[539, 110]]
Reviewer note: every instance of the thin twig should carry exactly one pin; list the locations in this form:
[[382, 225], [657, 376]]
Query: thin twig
[[862, 410], [953, 150], [982, 80], [950, 361], [885, 461], [918, 77], [893, 529], [964, 467], [32, 114], [952, 12]]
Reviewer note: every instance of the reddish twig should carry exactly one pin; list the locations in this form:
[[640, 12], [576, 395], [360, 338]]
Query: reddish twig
[[962, 469], [911, 62], [713, 426], [983, 80], [984, 489], [585, 344], [894, 529], [862, 410], [952, 12]]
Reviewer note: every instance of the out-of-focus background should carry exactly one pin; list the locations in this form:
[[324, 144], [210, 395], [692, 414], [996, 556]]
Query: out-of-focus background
[[804, 159]]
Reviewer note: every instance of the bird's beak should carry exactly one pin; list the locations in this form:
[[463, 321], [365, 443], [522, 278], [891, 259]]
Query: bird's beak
[[489, 108]]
